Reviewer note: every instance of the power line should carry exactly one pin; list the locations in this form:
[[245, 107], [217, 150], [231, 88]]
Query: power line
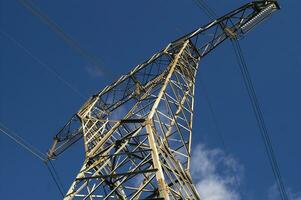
[[203, 5], [55, 178], [48, 68], [217, 127], [259, 118], [56, 174], [213, 115], [36, 153], [22, 143], [57, 29], [212, 15], [254, 103]]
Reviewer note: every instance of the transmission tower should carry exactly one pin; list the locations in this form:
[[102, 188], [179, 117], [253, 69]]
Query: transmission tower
[[137, 131]]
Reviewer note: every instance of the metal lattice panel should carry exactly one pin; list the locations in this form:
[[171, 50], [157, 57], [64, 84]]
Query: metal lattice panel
[[137, 132], [145, 148]]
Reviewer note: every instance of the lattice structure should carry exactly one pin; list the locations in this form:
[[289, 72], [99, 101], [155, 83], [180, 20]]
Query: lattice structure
[[137, 132]]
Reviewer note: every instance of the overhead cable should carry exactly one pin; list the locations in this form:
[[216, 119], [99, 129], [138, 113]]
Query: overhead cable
[[22, 143], [55, 177], [57, 29], [213, 115], [259, 118], [36, 153], [203, 5], [254, 102], [47, 67]]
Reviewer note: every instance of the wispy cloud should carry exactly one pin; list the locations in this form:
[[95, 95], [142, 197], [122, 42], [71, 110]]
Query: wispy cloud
[[217, 175], [273, 194], [94, 71]]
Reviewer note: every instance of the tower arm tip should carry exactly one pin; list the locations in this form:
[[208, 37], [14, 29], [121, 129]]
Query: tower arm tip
[[68, 135]]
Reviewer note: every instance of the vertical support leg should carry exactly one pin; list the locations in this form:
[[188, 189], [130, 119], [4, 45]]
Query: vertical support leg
[[163, 191]]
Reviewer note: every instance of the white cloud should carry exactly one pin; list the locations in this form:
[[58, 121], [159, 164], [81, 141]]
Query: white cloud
[[217, 175], [273, 194]]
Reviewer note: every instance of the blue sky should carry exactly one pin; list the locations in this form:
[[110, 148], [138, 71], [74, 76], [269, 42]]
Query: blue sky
[[43, 82]]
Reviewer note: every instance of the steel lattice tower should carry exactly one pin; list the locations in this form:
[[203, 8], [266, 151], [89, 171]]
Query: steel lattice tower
[[137, 131]]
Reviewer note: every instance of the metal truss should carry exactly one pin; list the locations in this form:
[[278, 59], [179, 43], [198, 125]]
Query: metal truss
[[137, 131]]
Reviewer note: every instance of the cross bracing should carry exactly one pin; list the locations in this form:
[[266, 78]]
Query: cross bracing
[[137, 131]]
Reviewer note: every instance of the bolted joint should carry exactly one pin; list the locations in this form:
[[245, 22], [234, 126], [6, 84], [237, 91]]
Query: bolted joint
[[230, 33], [148, 121]]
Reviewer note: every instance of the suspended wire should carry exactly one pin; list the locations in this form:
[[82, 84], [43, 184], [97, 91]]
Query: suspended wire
[[36, 153], [213, 115], [22, 143], [203, 5], [259, 118], [57, 29], [255, 105], [56, 174], [217, 127], [48, 68], [55, 177]]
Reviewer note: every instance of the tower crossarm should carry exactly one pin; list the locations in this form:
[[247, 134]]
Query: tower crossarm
[[234, 24]]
